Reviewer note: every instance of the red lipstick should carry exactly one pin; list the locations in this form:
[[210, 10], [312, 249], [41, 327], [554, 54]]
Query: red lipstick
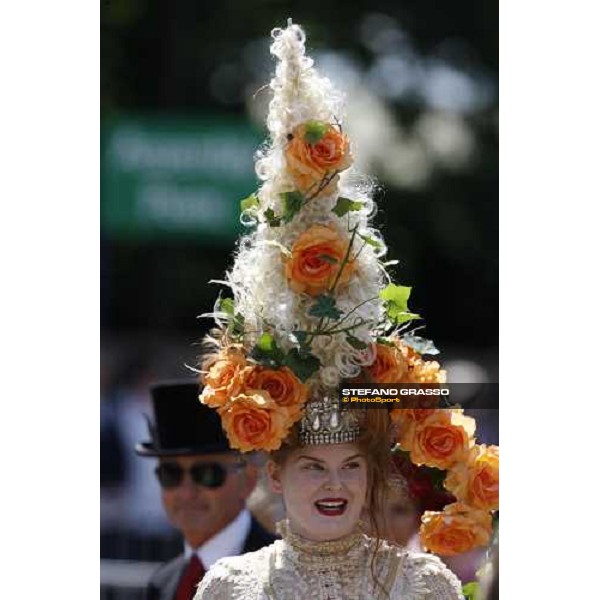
[[331, 507]]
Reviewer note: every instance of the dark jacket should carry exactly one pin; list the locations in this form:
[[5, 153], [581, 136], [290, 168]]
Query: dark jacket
[[163, 583]]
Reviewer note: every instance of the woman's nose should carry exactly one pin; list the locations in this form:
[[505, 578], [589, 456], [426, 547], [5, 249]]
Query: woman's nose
[[334, 481]]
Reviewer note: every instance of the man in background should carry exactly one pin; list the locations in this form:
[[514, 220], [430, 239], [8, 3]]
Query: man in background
[[204, 487]]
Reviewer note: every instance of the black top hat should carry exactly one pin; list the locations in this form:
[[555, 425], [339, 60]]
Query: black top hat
[[182, 425]]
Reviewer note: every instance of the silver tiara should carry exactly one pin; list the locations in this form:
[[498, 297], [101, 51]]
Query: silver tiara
[[326, 421]]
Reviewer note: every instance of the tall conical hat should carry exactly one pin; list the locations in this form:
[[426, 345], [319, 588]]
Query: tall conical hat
[[310, 305], [313, 304]]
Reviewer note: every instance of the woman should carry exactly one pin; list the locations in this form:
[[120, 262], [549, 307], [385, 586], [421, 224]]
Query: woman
[[312, 307], [323, 553], [411, 492], [400, 517]]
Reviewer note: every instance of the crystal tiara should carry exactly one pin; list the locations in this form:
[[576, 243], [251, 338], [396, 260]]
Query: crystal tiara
[[327, 421]]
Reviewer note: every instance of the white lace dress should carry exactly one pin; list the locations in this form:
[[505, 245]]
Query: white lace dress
[[295, 569]]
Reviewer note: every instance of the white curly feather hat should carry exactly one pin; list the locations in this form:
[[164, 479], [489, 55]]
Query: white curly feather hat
[[310, 302]]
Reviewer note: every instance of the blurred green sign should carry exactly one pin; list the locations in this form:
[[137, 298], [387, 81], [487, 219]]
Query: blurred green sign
[[176, 177]]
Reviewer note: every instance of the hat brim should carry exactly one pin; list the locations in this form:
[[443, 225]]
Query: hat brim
[[148, 449]]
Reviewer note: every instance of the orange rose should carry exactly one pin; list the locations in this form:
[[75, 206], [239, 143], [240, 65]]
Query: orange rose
[[410, 354], [281, 384], [419, 370], [456, 530], [389, 366], [426, 371], [310, 269], [410, 415], [222, 381], [441, 440], [405, 421], [255, 422], [315, 167], [476, 481]]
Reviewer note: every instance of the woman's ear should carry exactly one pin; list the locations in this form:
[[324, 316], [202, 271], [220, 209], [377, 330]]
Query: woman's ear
[[274, 476]]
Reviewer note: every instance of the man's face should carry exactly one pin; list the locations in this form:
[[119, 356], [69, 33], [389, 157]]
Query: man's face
[[200, 512]]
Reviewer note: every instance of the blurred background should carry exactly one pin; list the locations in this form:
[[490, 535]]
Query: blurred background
[[182, 115]]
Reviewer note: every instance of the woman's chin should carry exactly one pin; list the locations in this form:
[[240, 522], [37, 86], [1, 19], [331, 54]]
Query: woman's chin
[[323, 528]]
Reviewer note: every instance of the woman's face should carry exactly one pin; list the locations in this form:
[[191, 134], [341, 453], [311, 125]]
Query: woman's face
[[401, 518], [324, 489]]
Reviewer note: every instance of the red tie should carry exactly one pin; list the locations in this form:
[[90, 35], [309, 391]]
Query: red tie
[[189, 580]]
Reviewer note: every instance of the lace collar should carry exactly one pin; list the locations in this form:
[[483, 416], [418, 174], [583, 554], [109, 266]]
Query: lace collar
[[331, 548]]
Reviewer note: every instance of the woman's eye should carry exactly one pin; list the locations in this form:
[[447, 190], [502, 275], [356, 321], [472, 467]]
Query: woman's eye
[[352, 465], [312, 467]]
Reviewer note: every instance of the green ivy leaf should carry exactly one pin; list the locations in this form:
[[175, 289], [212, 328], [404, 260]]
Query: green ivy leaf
[[266, 342], [371, 241], [292, 203], [471, 590], [271, 218], [396, 298], [420, 344], [303, 364], [325, 307], [300, 336], [385, 342], [267, 352], [345, 205], [404, 317], [355, 342], [237, 325], [250, 202], [314, 131], [226, 306]]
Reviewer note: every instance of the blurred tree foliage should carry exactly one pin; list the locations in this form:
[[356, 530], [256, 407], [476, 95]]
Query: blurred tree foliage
[[162, 56], [159, 55]]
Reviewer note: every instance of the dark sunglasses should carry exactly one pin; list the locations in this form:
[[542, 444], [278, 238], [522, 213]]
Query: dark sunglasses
[[210, 475]]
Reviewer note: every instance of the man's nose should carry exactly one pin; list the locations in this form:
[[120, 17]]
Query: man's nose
[[188, 488]]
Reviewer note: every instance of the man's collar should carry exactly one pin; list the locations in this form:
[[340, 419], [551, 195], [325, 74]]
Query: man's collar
[[227, 542]]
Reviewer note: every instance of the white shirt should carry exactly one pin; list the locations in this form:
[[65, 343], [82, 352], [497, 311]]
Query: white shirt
[[228, 542]]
